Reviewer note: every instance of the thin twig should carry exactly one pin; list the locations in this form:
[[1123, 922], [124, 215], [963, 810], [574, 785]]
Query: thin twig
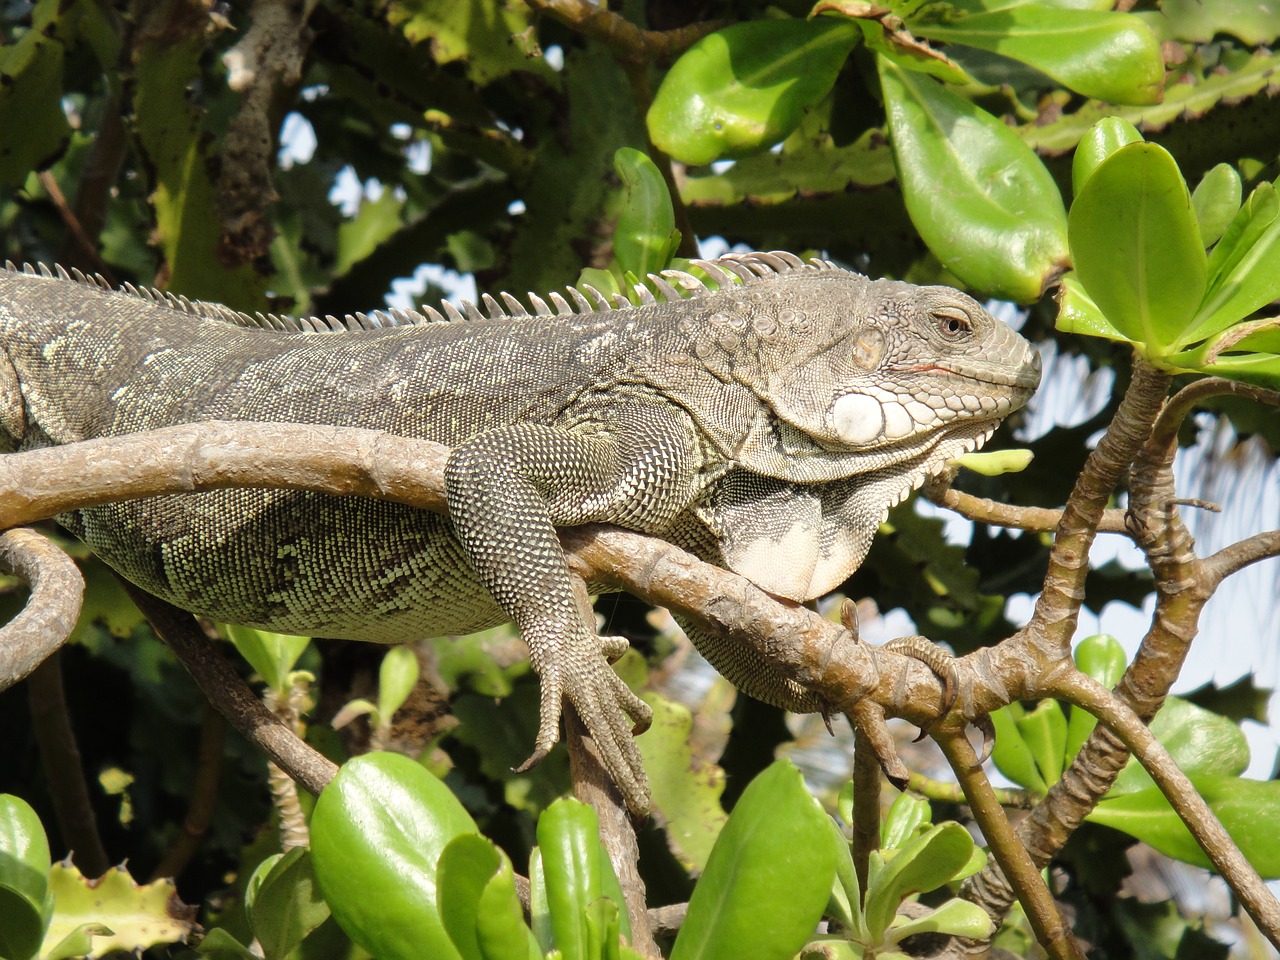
[[63, 768], [1218, 566], [1053, 933], [44, 624], [621, 35], [945, 792], [866, 805], [1081, 690], [1041, 519], [1181, 403]]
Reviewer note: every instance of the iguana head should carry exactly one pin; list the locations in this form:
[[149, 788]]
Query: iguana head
[[861, 389], [880, 364]]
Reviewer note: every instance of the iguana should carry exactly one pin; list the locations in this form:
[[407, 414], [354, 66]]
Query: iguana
[[765, 419]]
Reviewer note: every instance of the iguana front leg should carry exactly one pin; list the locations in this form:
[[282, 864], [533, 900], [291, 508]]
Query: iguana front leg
[[508, 489]]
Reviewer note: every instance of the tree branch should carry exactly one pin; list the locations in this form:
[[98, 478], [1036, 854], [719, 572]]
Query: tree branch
[[50, 614], [1261, 546], [1050, 929], [621, 35], [982, 510], [1081, 690]]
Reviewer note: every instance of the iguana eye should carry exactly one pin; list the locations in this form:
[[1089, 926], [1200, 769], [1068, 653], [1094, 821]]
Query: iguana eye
[[952, 322]]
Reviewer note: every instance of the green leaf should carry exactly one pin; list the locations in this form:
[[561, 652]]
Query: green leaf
[[1044, 731], [377, 833], [1247, 808], [466, 866], [1257, 24], [1201, 742], [954, 918], [501, 932], [1244, 268], [397, 676], [1011, 754], [687, 794], [1103, 139], [1136, 246], [996, 463], [31, 95], [776, 839], [359, 237], [906, 815], [138, 916], [220, 944], [25, 906], [490, 39], [744, 88], [1102, 658], [1106, 56], [646, 237], [845, 902], [1078, 314], [1216, 199], [286, 905], [1000, 225], [272, 655], [923, 864], [576, 873]]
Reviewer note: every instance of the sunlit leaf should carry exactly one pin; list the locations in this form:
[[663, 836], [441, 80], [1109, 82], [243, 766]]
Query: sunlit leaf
[[1103, 139], [1136, 246], [999, 225], [744, 88], [1107, 56], [1216, 199]]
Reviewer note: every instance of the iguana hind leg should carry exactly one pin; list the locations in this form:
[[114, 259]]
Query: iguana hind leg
[[508, 489]]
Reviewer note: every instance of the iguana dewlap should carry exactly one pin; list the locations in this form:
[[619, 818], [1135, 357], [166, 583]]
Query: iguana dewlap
[[766, 420]]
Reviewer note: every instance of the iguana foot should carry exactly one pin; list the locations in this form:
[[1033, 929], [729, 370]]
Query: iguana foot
[[936, 659], [611, 712]]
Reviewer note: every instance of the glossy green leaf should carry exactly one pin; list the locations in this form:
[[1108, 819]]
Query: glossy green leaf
[[1078, 314], [777, 838], [79, 942], [576, 873], [1044, 731], [465, 868], [906, 815], [1106, 56], [645, 238], [1010, 752], [501, 932], [954, 918], [1255, 23], [1216, 199], [1103, 139], [995, 463], [999, 225], [1200, 742], [925, 863], [1102, 658], [1136, 246], [1244, 268], [272, 655], [24, 879], [286, 905], [1248, 809], [397, 676], [744, 88], [377, 833], [845, 903], [568, 839]]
